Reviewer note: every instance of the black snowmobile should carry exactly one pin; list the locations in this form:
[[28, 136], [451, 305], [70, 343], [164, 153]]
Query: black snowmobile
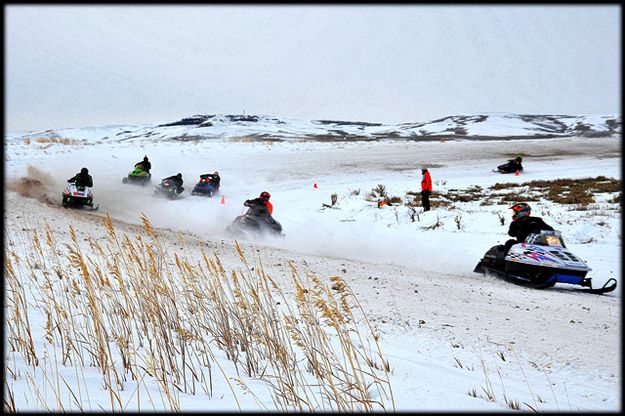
[[511, 166], [168, 189], [540, 262], [255, 222]]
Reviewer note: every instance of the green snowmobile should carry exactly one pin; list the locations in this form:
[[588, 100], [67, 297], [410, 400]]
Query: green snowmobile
[[139, 176]]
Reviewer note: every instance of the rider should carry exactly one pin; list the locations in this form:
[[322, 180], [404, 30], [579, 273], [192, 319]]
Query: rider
[[513, 165], [144, 164], [522, 224], [212, 177], [177, 180], [260, 205], [82, 179], [216, 179]]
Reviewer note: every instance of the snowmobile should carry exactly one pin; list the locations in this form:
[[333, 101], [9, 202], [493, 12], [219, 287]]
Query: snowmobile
[[253, 224], [207, 186], [509, 167], [541, 261], [77, 197], [168, 189], [138, 175]]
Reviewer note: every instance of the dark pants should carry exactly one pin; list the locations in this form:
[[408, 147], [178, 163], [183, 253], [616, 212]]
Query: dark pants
[[425, 200], [506, 247]]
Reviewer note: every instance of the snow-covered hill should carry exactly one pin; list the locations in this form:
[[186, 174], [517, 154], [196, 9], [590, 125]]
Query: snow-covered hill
[[229, 126]]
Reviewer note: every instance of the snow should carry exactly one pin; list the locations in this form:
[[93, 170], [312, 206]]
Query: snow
[[445, 330], [237, 126]]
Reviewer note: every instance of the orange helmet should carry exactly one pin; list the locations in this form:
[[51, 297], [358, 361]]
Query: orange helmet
[[520, 210], [265, 196]]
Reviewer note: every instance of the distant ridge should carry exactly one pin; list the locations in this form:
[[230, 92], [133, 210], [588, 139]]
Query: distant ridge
[[259, 127]]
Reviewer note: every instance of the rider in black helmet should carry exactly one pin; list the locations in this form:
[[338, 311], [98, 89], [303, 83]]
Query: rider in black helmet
[[144, 164], [177, 180], [82, 179]]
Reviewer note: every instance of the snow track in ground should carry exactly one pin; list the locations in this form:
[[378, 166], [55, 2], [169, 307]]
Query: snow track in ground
[[416, 286]]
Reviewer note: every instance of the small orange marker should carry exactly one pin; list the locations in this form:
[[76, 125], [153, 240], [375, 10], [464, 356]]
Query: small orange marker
[[315, 185], [223, 200], [517, 173]]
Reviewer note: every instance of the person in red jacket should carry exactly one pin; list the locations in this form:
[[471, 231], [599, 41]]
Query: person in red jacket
[[260, 205], [264, 196], [426, 189]]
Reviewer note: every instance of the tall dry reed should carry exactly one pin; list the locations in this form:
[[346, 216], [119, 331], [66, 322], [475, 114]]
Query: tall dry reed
[[142, 313]]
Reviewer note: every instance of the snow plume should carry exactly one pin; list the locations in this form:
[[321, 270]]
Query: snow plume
[[37, 185]]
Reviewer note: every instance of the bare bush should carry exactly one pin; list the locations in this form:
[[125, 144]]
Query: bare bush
[[458, 221], [333, 200], [412, 212], [434, 226], [379, 191]]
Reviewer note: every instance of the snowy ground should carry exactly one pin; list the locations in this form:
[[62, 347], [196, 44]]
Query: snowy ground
[[443, 326]]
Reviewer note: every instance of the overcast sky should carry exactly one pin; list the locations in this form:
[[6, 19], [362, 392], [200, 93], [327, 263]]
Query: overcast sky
[[76, 66]]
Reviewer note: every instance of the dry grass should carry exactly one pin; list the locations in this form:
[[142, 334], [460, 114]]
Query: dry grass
[[437, 200], [580, 193], [139, 312], [56, 140], [392, 200]]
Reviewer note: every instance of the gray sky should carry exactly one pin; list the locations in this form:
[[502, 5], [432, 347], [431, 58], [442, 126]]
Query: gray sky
[[76, 66]]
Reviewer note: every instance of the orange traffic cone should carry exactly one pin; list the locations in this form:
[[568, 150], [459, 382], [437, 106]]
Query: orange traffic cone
[[517, 173], [223, 200], [315, 185]]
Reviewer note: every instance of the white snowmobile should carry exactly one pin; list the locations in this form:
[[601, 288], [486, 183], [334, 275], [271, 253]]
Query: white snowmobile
[[77, 197], [540, 262]]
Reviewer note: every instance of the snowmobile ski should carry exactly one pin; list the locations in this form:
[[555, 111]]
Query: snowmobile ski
[[607, 287]]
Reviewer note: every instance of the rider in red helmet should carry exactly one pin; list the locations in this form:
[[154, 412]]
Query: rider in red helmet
[[522, 224], [264, 196], [261, 203]]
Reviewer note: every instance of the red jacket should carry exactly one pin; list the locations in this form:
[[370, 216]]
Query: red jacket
[[426, 182], [258, 202]]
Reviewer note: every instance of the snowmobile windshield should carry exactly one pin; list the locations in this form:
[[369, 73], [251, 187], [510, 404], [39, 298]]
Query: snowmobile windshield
[[546, 238]]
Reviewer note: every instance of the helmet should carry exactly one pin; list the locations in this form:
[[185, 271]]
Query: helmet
[[520, 210], [84, 170], [179, 175], [216, 173], [518, 159], [424, 169], [265, 196], [145, 158]]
